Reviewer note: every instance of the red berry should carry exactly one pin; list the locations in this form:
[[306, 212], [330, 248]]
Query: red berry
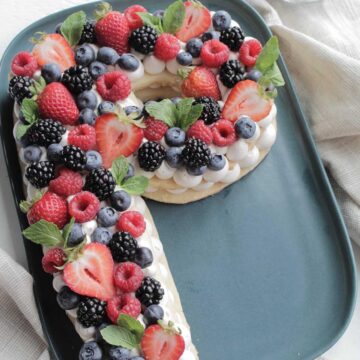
[[166, 47], [133, 19], [155, 129], [84, 206], [24, 64], [200, 131], [214, 53], [223, 132], [67, 183], [123, 304], [53, 257], [128, 276], [83, 136], [132, 222], [113, 86], [249, 51]]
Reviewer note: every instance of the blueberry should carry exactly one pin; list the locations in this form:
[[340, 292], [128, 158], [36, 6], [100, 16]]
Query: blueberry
[[194, 46], [107, 216], [86, 100], [67, 299], [245, 127], [176, 99], [97, 69], [254, 75], [54, 152], [101, 235], [90, 351], [119, 353], [152, 314], [173, 157], [175, 137], [107, 55], [210, 35], [221, 20], [135, 110], [217, 162], [57, 28], [76, 235], [137, 358], [128, 62], [84, 55], [130, 173], [93, 160], [196, 171], [159, 13], [106, 107], [120, 200], [87, 116], [144, 257], [51, 72], [184, 58], [32, 153]]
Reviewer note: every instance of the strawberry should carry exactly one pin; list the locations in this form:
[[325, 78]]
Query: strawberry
[[115, 138], [133, 19], [24, 64], [67, 183], [55, 102], [201, 82], [197, 21], [162, 342], [112, 28], [91, 274], [50, 207], [53, 48], [244, 99]]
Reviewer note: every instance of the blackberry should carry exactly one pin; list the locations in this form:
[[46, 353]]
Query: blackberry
[[91, 312], [73, 157], [143, 39], [88, 34], [150, 291], [231, 73], [123, 246], [196, 153], [19, 88], [150, 155], [232, 37], [77, 79], [211, 109], [100, 182], [46, 132], [40, 173]]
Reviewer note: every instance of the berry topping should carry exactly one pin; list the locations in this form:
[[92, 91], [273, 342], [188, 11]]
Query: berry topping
[[93, 160], [53, 258], [123, 247], [144, 257], [90, 350], [223, 133], [40, 173], [107, 216], [97, 69], [132, 222], [153, 314], [120, 200], [83, 136], [84, 55], [91, 312], [19, 88], [128, 277], [123, 304], [245, 127], [150, 291], [253, 75], [155, 129], [84, 206], [249, 51], [133, 19], [214, 53], [128, 62], [210, 35], [196, 153], [76, 235], [221, 20], [232, 37], [77, 79], [86, 100], [51, 73], [194, 46], [24, 64], [100, 182], [113, 86], [200, 131], [166, 47], [88, 34], [173, 157], [120, 353], [54, 152], [67, 183], [32, 154], [143, 39], [217, 162], [175, 136], [211, 109], [67, 299], [231, 73], [184, 58], [45, 132], [73, 157], [107, 55], [101, 235], [106, 107], [150, 155]]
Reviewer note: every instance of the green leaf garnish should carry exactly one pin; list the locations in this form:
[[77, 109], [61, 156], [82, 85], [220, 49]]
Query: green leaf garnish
[[21, 130], [119, 169], [30, 110], [132, 325], [164, 110], [269, 54], [274, 75], [37, 87], [119, 336], [174, 17], [67, 229], [151, 20], [135, 185], [73, 26], [44, 233], [187, 112]]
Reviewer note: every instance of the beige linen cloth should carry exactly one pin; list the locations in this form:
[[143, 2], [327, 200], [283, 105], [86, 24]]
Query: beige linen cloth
[[320, 43]]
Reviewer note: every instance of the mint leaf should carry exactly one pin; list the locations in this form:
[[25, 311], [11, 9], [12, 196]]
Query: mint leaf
[[73, 26], [119, 169], [131, 324], [136, 185], [187, 112], [21, 130], [269, 54], [174, 17], [164, 110], [30, 110], [194, 114], [119, 336], [151, 20], [38, 86], [68, 228], [274, 75], [43, 233], [183, 108]]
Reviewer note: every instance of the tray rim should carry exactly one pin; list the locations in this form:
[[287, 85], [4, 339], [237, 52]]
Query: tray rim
[[345, 241]]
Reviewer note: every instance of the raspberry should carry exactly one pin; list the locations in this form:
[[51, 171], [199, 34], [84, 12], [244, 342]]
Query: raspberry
[[83, 136], [84, 206], [53, 257], [133, 19], [155, 129], [24, 64], [132, 222], [214, 53], [123, 304], [128, 276], [223, 132], [200, 131], [67, 183], [249, 51], [113, 86], [166, 47]]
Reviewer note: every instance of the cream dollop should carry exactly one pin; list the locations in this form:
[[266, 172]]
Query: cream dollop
[[153, 65]]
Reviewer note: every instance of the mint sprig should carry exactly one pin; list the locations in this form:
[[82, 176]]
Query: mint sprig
[[73, 26], [30, 111], [44, 233]]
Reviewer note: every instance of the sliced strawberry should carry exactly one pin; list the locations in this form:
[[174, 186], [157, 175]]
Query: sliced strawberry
[[91, 274], [244, 99], [53, 48], [115, 138], [197, 21]]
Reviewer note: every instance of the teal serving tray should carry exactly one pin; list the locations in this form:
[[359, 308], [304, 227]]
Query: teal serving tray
[[264, 269]]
